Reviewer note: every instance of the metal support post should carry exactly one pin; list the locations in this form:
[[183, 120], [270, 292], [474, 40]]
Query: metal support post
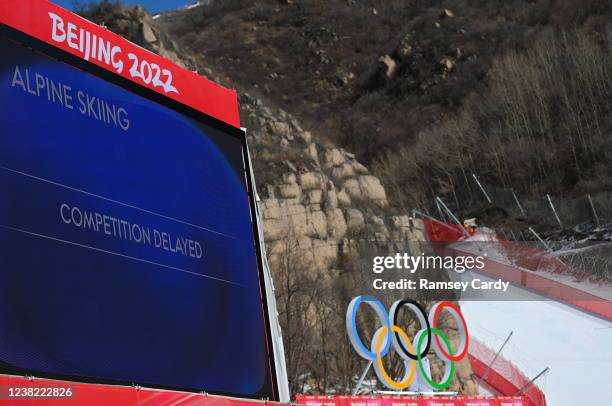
[[594, 211], [552, 206], [452, 216], [545, 370], [484, 376], [540, 239], [518, 203], [363, 375], [484, 192]]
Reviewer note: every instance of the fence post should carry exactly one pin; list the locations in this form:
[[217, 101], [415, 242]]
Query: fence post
[[545, 370], [484, 192], [483, 377], [518, 203], [440, 212], [452, 216], [540, 239], [552, 206], [593, 208]]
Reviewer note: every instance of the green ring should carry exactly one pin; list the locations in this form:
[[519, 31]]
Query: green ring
[[430, 381]]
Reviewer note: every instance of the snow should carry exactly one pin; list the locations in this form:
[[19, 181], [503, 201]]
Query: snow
[[196, 4], [577, 347]]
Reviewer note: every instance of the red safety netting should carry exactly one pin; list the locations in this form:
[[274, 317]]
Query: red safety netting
[[525, 270], [503, 377]]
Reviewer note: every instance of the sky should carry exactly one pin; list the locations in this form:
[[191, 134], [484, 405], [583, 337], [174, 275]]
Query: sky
[[153, 6]]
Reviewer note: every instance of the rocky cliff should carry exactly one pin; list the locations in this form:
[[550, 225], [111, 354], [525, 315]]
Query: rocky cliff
[[318, 195]]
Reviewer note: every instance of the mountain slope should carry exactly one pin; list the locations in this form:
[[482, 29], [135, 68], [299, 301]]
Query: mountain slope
[[427, 92], [325, 61]]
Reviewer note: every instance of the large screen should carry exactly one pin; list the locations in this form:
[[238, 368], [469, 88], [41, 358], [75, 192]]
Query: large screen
[[128, 253]]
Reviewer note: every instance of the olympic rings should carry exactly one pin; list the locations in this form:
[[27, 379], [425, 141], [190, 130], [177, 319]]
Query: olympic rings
[[379, 367], [391, 335], [461, 324], [449, 365], [351, 325], [420, 313]]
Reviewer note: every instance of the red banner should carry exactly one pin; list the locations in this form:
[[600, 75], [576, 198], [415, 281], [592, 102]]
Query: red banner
[[317, 400], [443, 401], [513, 401], [401, 401], [481, 401], [361, 401], [410, 401], [54, 25]]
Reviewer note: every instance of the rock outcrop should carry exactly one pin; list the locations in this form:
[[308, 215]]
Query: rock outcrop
[[314, 197]]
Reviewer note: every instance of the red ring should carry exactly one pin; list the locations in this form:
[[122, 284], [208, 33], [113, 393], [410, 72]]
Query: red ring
[[446, 303]]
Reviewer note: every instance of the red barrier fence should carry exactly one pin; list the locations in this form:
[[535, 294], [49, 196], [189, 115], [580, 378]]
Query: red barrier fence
[[504, 377], [528, 261], [410, 401], [552, 289], [438, 231]]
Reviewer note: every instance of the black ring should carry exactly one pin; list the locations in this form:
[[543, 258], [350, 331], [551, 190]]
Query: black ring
[[397, 336]]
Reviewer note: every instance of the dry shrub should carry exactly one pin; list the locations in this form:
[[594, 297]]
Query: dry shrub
[[542, 125]]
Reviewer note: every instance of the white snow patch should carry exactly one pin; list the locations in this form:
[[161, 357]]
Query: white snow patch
[[196, 4], [574, 345]]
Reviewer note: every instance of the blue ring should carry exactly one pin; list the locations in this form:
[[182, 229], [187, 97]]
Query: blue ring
[[354, 335]]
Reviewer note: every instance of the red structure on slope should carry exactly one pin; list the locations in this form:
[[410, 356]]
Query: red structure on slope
[[525, 274], [503, 377]]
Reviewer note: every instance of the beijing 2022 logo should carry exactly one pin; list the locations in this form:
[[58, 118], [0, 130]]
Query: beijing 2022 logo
[[412, 353]]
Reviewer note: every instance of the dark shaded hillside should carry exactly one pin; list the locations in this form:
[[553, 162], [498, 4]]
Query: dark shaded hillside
[[432, 91], [321, 60]]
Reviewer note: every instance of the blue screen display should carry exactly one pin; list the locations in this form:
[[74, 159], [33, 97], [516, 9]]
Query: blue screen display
[[127, 251]]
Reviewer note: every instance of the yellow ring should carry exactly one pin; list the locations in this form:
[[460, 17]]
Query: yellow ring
[[413, 367]]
